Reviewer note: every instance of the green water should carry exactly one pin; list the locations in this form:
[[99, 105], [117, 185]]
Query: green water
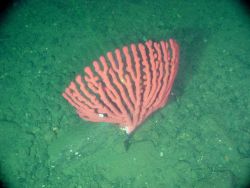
[[200, 139]]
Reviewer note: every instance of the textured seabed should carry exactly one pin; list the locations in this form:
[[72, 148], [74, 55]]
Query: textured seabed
[[200, 139]]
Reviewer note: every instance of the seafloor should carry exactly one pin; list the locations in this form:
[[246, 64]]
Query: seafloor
[[200, 139]]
